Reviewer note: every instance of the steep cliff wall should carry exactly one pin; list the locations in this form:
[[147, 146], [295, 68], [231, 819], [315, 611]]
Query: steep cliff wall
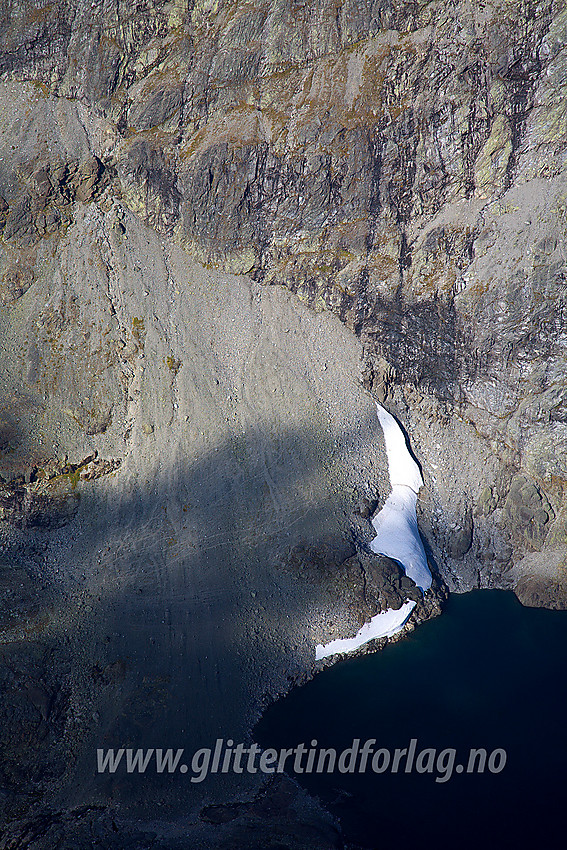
[[184, 444], [397, 164]]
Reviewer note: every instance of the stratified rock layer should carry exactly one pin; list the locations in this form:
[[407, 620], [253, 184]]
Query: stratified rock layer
[[189, 462]]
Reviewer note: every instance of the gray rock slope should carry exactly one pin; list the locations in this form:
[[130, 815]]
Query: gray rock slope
[[220, 222]]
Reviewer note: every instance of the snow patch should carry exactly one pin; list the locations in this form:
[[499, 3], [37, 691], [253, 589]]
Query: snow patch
[[397, 535], [402, 467], [385, 624]]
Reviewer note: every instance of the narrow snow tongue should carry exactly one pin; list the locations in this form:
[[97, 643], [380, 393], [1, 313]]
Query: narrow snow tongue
[[397, 537], [384, 624], [397, 534], [402, 467]]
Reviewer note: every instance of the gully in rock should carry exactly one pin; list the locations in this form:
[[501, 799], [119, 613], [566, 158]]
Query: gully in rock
[[397, 537]]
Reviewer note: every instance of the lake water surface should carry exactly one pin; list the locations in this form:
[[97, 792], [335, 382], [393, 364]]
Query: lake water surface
[[488, 674]]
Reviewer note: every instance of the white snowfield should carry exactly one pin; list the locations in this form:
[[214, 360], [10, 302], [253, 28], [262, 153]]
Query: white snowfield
[[385, 624], [401, 466], [397, 537]]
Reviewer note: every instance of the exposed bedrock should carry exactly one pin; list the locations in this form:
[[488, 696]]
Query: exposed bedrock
[[221, 225]]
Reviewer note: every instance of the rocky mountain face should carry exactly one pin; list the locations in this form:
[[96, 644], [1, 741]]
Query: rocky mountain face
[[220, 222]]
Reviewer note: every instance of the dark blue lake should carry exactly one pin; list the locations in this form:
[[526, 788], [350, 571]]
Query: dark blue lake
[[488, 675]]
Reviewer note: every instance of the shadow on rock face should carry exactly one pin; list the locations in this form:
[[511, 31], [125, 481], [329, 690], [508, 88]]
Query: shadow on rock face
[[9, 432], [424, 344], [163, 619]]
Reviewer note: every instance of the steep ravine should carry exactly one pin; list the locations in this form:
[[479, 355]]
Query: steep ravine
[[221, 226]]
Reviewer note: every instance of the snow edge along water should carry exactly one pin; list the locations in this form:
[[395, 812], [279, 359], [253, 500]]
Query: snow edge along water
[[397, 537]]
